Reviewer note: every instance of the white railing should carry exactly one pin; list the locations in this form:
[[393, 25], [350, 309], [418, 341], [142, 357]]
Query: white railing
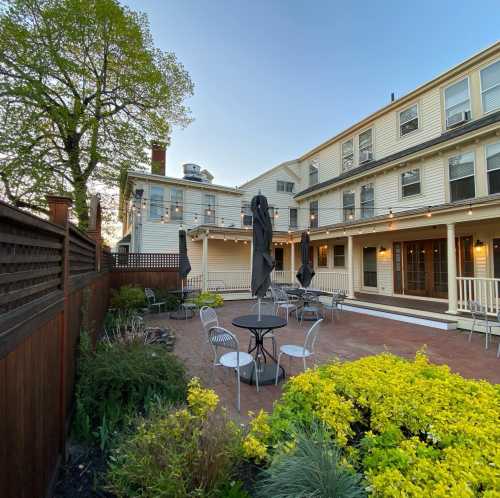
[[230, 280], [330, 281], [281, 277], [483, 290]]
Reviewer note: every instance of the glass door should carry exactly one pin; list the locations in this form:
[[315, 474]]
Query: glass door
[[415, 266], [369, 266]]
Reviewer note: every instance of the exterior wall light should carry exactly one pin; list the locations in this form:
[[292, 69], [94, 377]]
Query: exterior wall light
[[382, 250], [479, 245]]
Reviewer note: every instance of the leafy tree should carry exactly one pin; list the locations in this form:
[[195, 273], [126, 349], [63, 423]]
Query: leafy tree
[[83, 93]]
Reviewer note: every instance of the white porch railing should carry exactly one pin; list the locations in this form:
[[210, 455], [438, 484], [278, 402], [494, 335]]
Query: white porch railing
[[330, 281], [483, 290], [230, 280], [237, 280]]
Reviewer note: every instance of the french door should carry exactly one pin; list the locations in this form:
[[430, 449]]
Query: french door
[[421, 266]]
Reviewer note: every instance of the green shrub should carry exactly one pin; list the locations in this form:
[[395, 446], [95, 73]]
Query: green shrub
[[171, 301], [128, 298], [312, 468], [118, 381], [178, 453], [414, 429], [212, 299]]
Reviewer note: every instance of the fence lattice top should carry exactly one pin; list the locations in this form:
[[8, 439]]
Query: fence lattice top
[[144, 260]]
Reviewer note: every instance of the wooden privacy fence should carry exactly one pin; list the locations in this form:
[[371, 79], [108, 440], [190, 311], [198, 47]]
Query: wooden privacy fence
[[49, 272], [155, 270]]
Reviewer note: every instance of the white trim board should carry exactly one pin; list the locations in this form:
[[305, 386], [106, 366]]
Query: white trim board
[[426, 322]]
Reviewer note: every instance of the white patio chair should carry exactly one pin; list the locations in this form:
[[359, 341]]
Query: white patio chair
[[151, 299], [266, 308], [305, 351], [480, 317], [281, 302], [336, 302], [313, 306], [234, 359], [209, 319]]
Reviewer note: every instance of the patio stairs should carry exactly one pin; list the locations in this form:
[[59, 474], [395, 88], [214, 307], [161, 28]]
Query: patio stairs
[[431, 319]]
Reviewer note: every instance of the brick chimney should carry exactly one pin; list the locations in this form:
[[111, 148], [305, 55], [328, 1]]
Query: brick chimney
[[158, 158]]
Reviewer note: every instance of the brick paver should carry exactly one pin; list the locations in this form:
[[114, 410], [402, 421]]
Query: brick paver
[[348, 336]]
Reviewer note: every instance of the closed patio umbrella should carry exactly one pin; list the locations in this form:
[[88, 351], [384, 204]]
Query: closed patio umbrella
[[262, 261], [306, 272], [184, 265]]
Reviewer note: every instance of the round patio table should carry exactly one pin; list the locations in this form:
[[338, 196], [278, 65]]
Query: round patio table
[[266, 362], [299, 292]]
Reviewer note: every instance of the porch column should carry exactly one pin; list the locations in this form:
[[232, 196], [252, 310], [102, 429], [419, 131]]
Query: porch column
[[350, 268], [204, 264], [292, 262], [452, 270]]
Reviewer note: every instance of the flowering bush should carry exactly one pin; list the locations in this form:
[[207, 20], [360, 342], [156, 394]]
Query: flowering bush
[[212, 299], [179, 453], [413, 428]]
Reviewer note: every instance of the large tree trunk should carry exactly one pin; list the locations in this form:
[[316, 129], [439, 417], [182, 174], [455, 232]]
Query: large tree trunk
[[79, 180]]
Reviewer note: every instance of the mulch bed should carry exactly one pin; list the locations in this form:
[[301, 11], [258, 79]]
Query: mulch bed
[[83, 475]]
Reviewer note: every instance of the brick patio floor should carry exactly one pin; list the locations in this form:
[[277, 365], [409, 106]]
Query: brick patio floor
[[348, 336]]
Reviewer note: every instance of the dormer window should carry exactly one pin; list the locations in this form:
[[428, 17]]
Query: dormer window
[[457, 103], [365, 146], [347, 155], [408, 120], [313, 174]]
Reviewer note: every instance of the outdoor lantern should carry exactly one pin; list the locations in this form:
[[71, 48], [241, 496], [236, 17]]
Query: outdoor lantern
[[382, 250], [479, 245]]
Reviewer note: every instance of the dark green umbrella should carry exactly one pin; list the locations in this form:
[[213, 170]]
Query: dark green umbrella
[[306, 271]]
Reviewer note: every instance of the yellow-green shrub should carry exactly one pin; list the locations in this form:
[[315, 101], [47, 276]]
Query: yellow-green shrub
[[188, 452], [414, 429]]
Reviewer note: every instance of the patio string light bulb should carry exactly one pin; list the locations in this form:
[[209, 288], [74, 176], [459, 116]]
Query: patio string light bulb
[[429, 214], [176, 207], [469, 212], [391, 214]]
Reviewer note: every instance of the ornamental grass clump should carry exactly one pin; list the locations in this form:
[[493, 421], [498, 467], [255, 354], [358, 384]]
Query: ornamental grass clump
[[178, 453], [313, 467], [412, 428], [119, 381]]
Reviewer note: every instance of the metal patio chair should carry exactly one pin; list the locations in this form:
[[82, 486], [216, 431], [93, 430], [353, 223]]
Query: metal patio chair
[[305, 351], [313, 306], [151, 300], [209, 319], [336, 303], [282, 303], [234, 359], [479, 315]]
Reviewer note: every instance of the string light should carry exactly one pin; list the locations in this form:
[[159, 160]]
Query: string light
[[222, 222], [429, 214], [469, 212], [351, 216], [196, 218], [276, 215], [242, 214], [144, 204], [391, 214], [176, 206]]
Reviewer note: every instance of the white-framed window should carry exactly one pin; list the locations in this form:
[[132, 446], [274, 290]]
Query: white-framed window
[[348, 201], [367, 200], [293, 218], [247, 217], [282, 186], [408, 120], [365, 146], [457, 101], [209, 209], [313, 173], [323, 256], [493, 167], [339, 256], [272, 214], [156, 202], [348, 155], [410, 183], [313, 214], [461, 171], [490, 87], [176, 204]]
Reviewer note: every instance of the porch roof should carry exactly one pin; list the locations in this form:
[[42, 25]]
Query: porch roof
[[483, 208], [233, 233]]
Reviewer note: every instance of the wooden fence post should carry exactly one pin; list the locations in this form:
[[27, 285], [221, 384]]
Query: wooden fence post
[[59, 207]]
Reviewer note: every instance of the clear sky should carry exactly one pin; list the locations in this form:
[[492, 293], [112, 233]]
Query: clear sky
[[275, 78]]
